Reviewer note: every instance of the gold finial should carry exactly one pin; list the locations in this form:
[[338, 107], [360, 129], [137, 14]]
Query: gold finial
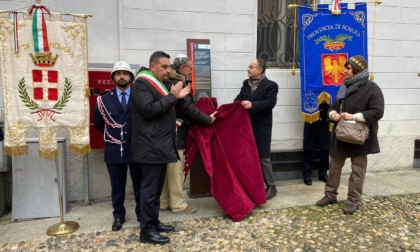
[[314, 6], [38, 1]]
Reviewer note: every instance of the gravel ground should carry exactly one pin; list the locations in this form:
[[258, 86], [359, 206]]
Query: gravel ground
[[383, 223]]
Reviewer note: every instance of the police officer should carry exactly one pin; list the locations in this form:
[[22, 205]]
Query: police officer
[[112, 117], [316, 135]]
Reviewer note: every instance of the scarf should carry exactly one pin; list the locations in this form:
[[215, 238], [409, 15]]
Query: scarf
[[253, 83], [350, 86]]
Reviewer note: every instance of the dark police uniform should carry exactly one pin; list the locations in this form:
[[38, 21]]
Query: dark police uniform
[[117, 156], [317, 135]]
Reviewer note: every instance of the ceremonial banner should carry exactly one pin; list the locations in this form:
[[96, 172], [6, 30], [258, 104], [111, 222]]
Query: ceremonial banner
[[326, 41], [45, 82]]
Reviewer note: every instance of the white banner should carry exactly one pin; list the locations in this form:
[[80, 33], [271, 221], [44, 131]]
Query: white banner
[[45, 90]]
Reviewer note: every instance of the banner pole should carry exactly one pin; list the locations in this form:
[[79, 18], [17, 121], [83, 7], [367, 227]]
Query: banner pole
[[64, 227], [372, 74], [294, 6]]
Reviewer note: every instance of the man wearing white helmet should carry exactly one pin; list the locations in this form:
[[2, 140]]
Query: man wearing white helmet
[[112, 117]]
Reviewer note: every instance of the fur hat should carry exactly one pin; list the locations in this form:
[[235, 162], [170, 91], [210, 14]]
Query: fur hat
[[358, 62]]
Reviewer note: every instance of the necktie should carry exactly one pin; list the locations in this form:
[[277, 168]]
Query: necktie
[[123, 100]]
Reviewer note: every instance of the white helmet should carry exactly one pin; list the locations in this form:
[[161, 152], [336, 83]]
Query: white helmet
[[122, 66]]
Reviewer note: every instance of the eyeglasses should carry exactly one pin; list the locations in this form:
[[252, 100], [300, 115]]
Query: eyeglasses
[[190, 67], [252, 67]]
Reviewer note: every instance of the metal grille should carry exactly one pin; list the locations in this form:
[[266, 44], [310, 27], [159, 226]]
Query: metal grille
[[275, 32]]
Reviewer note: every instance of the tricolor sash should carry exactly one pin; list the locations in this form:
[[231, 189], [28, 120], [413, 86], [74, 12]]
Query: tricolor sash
[[149, 76]]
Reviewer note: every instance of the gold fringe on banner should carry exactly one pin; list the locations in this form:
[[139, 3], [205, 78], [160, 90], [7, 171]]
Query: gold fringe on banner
[[324, 97], [310, 118], [331, 126], [15, 151], [87, 92], [79, 149], [48, 154]]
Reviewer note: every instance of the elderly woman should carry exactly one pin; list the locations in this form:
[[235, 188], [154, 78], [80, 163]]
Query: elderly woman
[[361, 100]]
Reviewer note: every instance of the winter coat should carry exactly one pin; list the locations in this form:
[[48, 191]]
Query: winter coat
[[263, 101], [369, 100], [186, 111], [153, 118]]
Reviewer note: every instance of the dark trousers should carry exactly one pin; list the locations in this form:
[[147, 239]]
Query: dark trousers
[[267, 169], [153, 178], [118, 177], [356, 180], [308, 163]]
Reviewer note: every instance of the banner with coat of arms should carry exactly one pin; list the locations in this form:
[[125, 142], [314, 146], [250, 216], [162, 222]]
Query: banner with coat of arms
[[45, 82], [327, 38]]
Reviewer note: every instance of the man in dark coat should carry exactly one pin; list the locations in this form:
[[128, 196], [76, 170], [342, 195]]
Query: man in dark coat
[[359, 100], [172, 197], [153, 139], [112, 117], [259, 95]]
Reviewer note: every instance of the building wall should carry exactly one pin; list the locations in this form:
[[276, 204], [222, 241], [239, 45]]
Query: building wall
[[132, 29]]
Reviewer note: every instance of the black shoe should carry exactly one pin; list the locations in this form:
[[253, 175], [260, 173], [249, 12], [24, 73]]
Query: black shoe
[[153, 237], [164, 228], [307, 181], [323, 178], [138, 219], [117, 225], [271, 192]]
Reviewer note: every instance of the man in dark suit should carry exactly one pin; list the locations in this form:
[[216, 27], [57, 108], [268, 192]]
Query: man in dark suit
[[259, 95], [113, 118], [154, 139]]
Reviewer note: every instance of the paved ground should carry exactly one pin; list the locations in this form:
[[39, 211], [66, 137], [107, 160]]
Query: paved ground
[[389, 220]]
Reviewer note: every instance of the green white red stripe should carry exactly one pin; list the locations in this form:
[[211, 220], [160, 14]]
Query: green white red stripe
[[153, 81], [39, 29], [179, 122]]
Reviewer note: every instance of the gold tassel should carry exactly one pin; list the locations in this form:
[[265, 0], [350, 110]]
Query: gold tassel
[[48, 154], [331, 126], [310, 118], [15, 151], [336, 12], [79, 149]]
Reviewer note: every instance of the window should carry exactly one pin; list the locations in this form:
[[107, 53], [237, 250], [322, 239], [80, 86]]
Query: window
[[275, 32]]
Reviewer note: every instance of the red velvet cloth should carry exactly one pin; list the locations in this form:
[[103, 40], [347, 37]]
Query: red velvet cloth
[[230, 157]]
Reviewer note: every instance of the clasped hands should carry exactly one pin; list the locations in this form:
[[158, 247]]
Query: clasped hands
[[345, 116], [180, 92]]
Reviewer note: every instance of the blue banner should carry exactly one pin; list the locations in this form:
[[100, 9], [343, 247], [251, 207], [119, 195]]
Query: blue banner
[[326, 41]]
